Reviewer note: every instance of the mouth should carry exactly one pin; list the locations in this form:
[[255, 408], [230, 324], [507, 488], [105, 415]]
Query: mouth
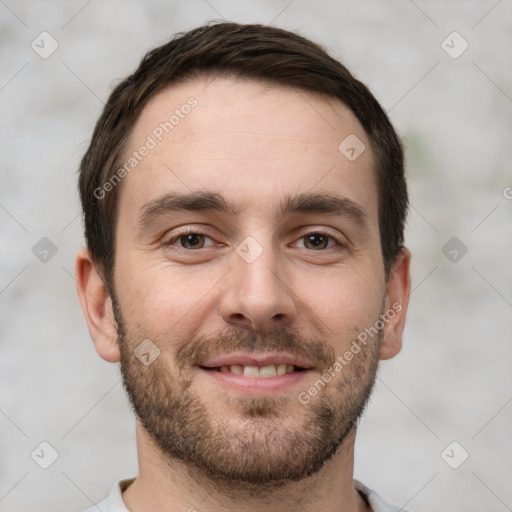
[[253, 372], [256, 374]]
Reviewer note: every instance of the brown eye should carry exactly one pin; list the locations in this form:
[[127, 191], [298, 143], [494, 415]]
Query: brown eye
[[192, 241], [316, 241]]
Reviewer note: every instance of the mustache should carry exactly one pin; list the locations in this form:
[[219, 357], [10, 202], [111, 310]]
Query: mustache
[[201, 349]]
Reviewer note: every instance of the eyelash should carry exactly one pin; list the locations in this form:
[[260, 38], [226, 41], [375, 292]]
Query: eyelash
[[192, 231]]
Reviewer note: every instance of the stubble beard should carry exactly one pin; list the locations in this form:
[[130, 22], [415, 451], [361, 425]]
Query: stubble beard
[[259, 449]]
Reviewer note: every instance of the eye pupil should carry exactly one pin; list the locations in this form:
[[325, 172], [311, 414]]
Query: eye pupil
[[191, 239], [316, 240]]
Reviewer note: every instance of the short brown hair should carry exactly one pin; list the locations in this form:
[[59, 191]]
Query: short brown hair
[[256, 52]]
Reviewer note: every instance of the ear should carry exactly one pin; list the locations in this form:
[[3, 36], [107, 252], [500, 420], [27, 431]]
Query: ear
[[97, 306], [396, 302]]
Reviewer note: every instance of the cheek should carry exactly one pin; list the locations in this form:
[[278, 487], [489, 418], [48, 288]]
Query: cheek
[[345, 304], [160, 297]]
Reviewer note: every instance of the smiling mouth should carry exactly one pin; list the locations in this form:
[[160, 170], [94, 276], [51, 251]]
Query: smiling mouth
[[264, 372]]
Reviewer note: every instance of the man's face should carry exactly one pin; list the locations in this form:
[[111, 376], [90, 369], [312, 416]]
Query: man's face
[[249, 288]]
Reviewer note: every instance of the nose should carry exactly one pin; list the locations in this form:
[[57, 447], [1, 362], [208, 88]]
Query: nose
[[258, 295]]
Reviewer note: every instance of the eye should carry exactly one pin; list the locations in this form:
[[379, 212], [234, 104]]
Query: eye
[[189, 240], [318, 241]]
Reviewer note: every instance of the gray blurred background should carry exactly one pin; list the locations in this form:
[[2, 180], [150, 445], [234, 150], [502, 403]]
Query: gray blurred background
[[446, 397]]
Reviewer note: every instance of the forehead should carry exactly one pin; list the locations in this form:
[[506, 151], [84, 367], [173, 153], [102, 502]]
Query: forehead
[[247, 140]]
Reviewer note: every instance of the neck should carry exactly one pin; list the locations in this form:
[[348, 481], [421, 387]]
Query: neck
[[171, 486]]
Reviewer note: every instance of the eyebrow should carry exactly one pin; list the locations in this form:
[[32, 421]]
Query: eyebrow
[[173, 202]]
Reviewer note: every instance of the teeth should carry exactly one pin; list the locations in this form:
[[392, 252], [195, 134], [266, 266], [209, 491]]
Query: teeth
[[271, 370], [237, 368], [268, 371], [251, 371]]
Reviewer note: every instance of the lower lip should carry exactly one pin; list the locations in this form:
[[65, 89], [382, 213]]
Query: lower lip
[[256, 384]]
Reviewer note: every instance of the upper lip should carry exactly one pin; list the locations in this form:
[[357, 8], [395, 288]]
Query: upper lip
[[253, 359]]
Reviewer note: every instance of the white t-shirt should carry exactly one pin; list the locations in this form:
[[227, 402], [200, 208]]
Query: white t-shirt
[[115, 503]]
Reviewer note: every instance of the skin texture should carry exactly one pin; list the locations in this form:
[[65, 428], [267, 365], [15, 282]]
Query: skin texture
[[201, 444]]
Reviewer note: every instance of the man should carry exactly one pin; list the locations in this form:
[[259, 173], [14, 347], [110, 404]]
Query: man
[[244, 203]]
